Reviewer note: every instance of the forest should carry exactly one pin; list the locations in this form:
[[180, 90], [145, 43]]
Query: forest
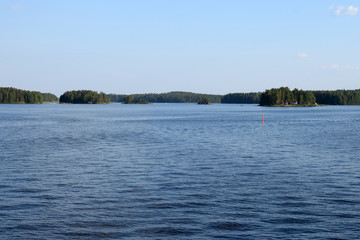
[[204, 101], [130, 100], [338, 97], [170, 97], [252, 97], [49, 97], [274, 97], [84, 97], [284, 97], [13, 95]]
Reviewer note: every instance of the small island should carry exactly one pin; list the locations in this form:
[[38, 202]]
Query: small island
[[283, 97], [84, 97], [204, 101]]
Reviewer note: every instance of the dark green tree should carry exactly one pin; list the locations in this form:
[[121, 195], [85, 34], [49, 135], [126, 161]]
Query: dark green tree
[[283, 96], [204, 100], [131, 100], [253, 97], [84, 97], [171, 97], [13, 95]]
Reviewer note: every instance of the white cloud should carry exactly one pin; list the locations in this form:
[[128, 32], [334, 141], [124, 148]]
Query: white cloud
[[335, 66], [344, 11], [302, 55]]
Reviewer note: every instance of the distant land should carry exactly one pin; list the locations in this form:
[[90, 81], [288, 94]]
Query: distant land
[[284, 97], [13, 95], [84, 97], [204, 101], [49, 97], [170, 97], [273, 97], [130, 100]]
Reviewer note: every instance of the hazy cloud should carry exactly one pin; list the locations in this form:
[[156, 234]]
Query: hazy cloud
[[339, 67], [344, 11], [349, 67], [302, 55], [352, 67], [16, 6]]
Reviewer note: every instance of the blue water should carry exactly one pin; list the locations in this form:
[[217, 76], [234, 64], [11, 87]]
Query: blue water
[[179, 171]]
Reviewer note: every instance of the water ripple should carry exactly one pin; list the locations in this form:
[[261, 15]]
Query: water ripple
[[179, 171]]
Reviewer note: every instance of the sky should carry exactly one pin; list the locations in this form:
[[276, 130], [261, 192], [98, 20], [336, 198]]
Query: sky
[[155, 46]]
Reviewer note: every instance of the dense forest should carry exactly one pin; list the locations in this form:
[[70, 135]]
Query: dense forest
[[84, 97], [13, 95], [204, 100], [252, 97], [49, 97], [283, 97], [171, 97], [276, 96], [130, 100], [338, 97]]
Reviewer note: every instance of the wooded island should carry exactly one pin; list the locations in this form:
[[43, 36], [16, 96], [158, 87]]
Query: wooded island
[[284, 97], [273, 97], [84, 97]]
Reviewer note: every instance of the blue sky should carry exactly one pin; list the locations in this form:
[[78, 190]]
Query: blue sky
[[205, 46]]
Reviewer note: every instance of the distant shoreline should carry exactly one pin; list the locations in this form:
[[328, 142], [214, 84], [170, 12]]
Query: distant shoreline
[[9, 95], [291, 105]]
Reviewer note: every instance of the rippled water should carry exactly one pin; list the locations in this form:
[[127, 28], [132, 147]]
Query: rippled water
[[179, 171]]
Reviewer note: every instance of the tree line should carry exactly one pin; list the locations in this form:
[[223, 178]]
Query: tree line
[[283, 96], [252, 97], [130, 100], [338, 97], [204, 100], [275, 96], [49, 97], [13, 95], [170, 97], [84, 97]]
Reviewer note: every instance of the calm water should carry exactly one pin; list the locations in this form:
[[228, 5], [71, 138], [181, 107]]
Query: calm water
[[179, 171]]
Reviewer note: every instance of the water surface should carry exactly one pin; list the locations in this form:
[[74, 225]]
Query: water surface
[[179, 171]]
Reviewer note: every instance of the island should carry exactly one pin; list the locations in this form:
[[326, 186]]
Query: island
[[13, 95], [84, 97], [283, 97]]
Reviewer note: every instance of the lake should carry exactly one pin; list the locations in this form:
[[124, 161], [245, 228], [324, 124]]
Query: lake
[[179, 171]]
